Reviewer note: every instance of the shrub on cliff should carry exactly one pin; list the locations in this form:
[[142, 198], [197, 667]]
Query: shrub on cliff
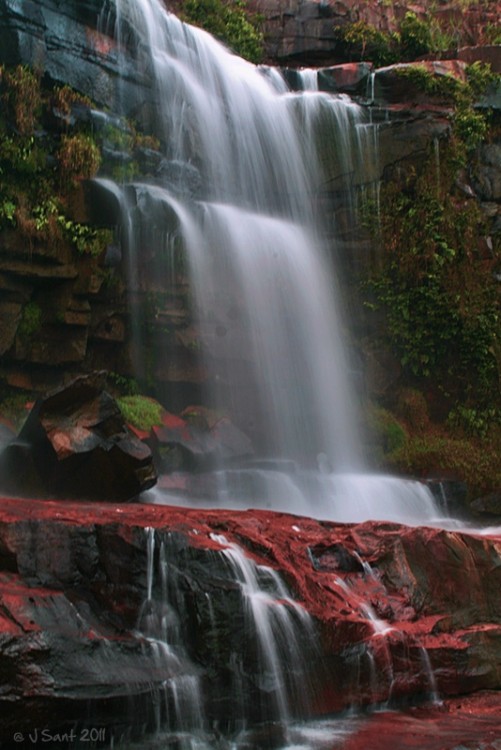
[[231, 23]]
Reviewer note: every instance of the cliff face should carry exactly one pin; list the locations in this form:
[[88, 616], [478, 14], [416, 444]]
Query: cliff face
[[395, 613], [307, 32]]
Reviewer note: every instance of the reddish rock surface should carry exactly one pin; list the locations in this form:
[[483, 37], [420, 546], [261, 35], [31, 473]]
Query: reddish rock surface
[[389, 602], [466, 723]]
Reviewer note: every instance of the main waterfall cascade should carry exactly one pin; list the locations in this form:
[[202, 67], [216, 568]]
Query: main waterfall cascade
[[237, 194]]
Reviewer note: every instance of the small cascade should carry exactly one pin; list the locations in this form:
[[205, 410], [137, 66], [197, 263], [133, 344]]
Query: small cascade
[[176, 698], [436, 153], [284, 634], [379, 647], [246, 629], [376, 650], [307, 79], [371, 88], [430, 674]]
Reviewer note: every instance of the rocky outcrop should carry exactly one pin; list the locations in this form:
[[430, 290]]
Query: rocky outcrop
[[76, 444], [398, 612], [66, 43], [305, 30]]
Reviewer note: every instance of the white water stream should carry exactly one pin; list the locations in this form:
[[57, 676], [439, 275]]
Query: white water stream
[[264, 288]]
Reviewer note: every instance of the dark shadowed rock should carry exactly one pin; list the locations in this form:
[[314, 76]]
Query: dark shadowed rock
[[198, 441], [63, 41], [349, 78], [75, 444], [488, 505]]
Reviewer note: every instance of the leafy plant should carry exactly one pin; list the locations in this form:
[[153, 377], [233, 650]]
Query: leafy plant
[[415, 36], [474, 422], [388, 432], [230, 23], [88, 240], [23, 98], [476, 462], [65, 99], [493, 33], [480, 76], [443, 86], [470, 127], [365, 42], [439, 297], [7, 212], [79, 158], [124, 385]]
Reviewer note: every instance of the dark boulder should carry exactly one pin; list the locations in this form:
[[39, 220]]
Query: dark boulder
[[488, 505], [75, 444]]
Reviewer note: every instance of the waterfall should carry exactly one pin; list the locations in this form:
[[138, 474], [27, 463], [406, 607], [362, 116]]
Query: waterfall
[[283, 630], [386, 637], [237, 190], [257, 637]]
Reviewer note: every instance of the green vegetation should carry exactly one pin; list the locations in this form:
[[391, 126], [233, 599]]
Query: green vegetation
[[387, 432], [22, 98], [231, 23], [31, 321], [443, 86], [51, 222], [493, 33], [439, 295], [123, 385], [140, 411], [7, 213], [476, 462], [470, 124], [40, 171], [466, 447], [415, 37], [440, 298], [79, 157], [365, 42]]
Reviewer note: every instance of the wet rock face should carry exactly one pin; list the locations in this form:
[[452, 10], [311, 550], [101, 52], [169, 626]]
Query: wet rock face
[[75, 444], [63, 40], [396, 612]]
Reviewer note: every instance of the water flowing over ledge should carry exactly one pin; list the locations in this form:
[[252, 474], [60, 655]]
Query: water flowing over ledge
[[238, 194], [161, 609]]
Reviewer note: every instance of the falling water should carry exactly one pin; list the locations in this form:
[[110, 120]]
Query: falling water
[[176, 699], [284, 631], [238, 188], [385, 635], [308, 79], [260, 638]]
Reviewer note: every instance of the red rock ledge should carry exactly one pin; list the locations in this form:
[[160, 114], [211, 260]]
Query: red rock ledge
[[400, 612]]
